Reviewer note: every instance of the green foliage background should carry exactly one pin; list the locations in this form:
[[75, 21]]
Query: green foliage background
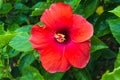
[[18, 61]]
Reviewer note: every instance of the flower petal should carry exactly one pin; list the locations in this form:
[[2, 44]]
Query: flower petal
[[81, 30], [40, 36], [59, 15], [51, 53], [78, 54], [53, 60]]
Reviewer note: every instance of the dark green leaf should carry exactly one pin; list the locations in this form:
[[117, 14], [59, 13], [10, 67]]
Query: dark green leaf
[[13, 53], [20, 19], [101, 26], [73, 3], [21, 6], [6, 7], [89, 7], [82, 74], [115, 28], [13, 27], [31, 73], [38, 10], [26, 60], [97, 44], [21, 42], [51, 76]]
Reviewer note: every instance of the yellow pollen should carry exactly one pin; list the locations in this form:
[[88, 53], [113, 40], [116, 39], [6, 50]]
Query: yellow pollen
[[60, 37]]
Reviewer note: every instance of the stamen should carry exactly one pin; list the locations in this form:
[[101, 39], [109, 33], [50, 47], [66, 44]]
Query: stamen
[[60, 37]]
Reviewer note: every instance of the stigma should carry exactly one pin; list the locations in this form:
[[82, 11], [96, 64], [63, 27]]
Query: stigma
[[60, 37]]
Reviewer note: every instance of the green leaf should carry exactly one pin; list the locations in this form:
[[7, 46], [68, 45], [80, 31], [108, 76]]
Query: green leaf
[[1, 2], [116, 11], [12, 27], [55, 76], [101, 27], [21, 42], [21, 6], [51, 76], [117, 62], [26, 60], [20, 19], [97, 44], [39, 8], [26, 28], [13, 53], [4, 39], [89, 7], [31, 73], [115, 28], [82, 74], [115, 75], [2, 29], [73, 3], [6, 7]]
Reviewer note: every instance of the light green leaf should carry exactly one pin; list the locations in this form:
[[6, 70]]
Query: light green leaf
[[116, 11], [115, 75], [4, 39], [31, 73], [115, 28], [21, 42], [117, 62], [2, 29], [1, 2], [26, 28], [6, 7], [97, 44]]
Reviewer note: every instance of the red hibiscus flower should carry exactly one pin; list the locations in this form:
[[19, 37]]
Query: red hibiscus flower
[[63, 41]]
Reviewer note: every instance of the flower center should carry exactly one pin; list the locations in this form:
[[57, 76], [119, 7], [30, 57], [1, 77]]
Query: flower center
[[60, 37]]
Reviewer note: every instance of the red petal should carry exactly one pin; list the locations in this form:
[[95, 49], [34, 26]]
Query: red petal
[[82, 30], [78, 54], [40, 36], [53, 60], [51, 53], [59, 15]]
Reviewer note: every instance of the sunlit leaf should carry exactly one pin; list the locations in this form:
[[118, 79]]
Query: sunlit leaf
[[117, 62], [115, 75], [4, 39], [116, 11], [1, 2], [2, 29]]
